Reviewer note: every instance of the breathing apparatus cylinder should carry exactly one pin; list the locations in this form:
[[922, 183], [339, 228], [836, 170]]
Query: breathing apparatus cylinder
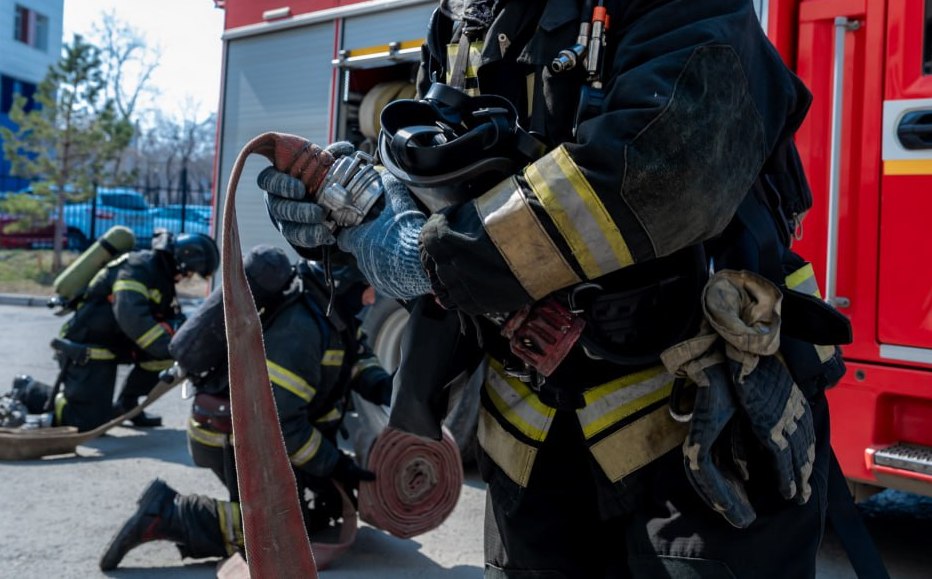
[[71, 283]]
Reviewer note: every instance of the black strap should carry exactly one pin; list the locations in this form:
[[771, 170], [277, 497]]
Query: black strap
[[850, 528]]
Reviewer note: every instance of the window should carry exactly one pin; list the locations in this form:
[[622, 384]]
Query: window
[[32, 28], [927, 40], [10, 87]]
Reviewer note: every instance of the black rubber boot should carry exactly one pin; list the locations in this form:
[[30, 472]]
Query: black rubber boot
[[141, 420], [156, 519]]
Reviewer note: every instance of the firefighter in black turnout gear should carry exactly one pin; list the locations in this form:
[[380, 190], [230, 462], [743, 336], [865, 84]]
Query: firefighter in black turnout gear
[[614, 233], [127, 315], [313, 362]]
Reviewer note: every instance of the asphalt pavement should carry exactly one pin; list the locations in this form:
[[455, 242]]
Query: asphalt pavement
[[58, 514]]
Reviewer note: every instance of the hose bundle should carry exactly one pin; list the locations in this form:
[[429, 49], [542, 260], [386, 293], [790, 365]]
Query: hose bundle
[[417, 483]]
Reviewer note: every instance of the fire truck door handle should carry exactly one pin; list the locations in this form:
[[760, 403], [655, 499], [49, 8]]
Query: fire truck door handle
[[915, 130], [843, 25]]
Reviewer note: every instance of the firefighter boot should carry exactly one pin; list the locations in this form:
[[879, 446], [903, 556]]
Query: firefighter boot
[[141, 420], [156, 519]]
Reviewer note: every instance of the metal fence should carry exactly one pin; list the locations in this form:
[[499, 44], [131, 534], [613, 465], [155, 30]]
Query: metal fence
[[144, 210]]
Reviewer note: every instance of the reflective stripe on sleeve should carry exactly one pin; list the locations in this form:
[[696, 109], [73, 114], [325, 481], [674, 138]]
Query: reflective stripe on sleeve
[[290, 381], [308, 450], [578, 214], [205, 436], [610, 403], [156, 365], [333, 358], [531, 255], [364, 365], [150, 336], [331, 416], [131, 285], [231, 525], [804, 281], [100, 354]]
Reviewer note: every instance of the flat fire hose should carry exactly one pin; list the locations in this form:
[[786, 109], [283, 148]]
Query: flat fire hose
[[275, 538], [417, 480], [24, 444]]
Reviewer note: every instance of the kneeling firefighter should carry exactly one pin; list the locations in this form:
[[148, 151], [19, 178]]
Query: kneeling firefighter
[[567, 228], [313, 362], [127, 315]]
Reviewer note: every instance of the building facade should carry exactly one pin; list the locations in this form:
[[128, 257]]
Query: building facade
[[30, 42]]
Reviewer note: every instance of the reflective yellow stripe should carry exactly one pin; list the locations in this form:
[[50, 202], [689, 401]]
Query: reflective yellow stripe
[[290, 381], [530, 253], [229, 519], [363, 365], [612, 402], [308, 450], [578, 214], [370, 50], [638, 444], [473, 62], [332, 358], [156, 365], [60, 403], [201, 435], [132, 286], [518, 404], [155, 295], [101, 354], [514, 457], [803, 280], [238, 525], [331, 416], [151, 335]]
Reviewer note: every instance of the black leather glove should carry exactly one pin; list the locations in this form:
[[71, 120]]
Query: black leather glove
[[708, 450], [348, 473], [300, 221], [781, 420]]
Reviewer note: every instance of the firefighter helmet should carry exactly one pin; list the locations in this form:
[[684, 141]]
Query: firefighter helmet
[[195, 253]]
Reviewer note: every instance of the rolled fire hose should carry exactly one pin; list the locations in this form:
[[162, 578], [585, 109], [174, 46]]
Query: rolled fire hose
[[273, 528], [23, 444], [417, 480]]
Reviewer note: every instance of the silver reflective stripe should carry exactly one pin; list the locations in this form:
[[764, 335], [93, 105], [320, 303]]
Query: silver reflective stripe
[[308, 450], [610, 403], [518, 404]]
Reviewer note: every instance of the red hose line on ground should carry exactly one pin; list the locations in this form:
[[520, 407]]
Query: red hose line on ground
[[276, 540], [417, 483]]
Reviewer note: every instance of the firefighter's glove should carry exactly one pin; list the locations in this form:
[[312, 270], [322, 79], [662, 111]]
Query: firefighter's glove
[[744, 308], [299, 220], [386, 248], [349, 474], [781, 420], [707, 449]]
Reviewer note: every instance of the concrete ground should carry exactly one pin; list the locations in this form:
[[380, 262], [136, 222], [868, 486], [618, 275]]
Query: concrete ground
[[58, 514]]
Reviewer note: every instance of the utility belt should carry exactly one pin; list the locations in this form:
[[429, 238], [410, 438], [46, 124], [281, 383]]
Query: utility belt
[[210, 411]]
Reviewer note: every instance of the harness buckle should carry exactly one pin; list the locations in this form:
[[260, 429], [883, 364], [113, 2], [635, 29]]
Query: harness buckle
[[573, 297]]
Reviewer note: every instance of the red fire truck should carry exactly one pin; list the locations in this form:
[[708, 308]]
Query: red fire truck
[[319, 68]]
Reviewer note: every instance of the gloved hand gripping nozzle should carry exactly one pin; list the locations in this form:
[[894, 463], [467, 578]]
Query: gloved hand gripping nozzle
[[347, 187]]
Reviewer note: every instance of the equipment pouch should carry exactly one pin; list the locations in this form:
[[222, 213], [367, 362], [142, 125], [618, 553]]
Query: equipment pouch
[[213, 411]]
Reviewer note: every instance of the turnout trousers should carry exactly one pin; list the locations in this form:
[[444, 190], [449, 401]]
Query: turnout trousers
[[556, 527], [88, 392]]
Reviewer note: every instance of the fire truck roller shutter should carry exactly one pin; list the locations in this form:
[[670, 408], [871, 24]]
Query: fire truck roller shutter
[[370, 111]]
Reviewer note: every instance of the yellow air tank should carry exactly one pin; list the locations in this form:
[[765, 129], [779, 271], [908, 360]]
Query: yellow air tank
[[71, 283]]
